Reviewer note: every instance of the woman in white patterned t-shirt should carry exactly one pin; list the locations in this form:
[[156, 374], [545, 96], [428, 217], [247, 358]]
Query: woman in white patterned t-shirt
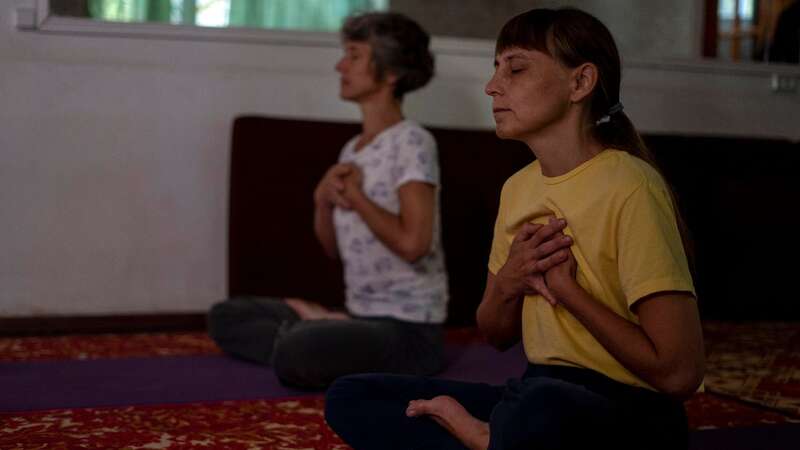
[[377, 211]]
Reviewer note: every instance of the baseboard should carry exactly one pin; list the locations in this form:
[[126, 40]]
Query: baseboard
[[133, 323]]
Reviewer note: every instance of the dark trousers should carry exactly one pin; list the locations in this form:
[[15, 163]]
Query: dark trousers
[[550, 407], [312, 353]]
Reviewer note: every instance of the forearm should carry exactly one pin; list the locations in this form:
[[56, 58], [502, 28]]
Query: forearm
[[499, 316], [388, 228], [629, 344], [325, 231]]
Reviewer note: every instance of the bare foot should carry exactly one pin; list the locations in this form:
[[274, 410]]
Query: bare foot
[[305, 309], [308, 310], [336, 315], [448, 413]]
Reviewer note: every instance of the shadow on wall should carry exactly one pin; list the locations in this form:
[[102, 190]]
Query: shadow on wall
[[739, 198]]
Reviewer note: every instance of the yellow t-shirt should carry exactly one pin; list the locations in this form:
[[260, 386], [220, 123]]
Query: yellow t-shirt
[[626, 243]]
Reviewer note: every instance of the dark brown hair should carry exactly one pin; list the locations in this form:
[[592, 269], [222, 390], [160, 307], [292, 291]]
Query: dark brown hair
[[573, 37], [399, 45]]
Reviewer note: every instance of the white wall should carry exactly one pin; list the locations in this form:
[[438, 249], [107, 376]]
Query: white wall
[[642, 29], [114, 151]]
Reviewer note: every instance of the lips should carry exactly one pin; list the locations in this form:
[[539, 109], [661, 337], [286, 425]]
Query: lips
[[500, 110]]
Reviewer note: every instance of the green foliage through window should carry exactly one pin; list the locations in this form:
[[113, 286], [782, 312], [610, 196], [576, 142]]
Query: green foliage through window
[[315, 15]]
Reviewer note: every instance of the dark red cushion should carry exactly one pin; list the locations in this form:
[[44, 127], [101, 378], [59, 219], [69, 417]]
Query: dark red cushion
[[275, 165]]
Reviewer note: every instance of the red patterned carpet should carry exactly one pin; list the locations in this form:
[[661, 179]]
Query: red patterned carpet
[[278, 424], [254, 424], [100, 346], [756, 366], [756, 362]]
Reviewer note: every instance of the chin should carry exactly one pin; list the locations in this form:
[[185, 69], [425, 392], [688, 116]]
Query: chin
[[503, 132]]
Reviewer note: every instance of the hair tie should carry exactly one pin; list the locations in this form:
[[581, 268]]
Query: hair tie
[[615, 108]]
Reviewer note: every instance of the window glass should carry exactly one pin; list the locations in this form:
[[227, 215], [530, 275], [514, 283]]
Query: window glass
[[310, 15]]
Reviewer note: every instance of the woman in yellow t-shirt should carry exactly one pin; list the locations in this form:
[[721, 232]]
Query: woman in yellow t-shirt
[[587, 268]]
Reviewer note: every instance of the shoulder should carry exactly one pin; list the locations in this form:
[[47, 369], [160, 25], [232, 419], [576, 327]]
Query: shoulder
[[411, 134], [347, 148], [636, 182], [522, 179], [630, 173]]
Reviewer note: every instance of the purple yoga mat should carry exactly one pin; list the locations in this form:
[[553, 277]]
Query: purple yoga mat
[[27, 386]]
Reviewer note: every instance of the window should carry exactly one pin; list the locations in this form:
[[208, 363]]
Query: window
[[750, 30], [728, 10], [309, 15]]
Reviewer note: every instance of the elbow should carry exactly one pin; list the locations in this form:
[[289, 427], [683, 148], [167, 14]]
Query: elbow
[[682, 383], [328, 247], [499, 343], [412, 250], [331, 253], [498, 340]]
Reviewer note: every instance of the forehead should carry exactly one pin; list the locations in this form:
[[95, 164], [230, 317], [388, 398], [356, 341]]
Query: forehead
[[358, 46], [520, 54]]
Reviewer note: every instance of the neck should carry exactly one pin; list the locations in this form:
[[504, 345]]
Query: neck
[[378, 115], [564, 145]]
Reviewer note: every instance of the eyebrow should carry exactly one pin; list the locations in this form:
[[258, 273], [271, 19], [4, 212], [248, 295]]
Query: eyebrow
[[509, 58], [353, 49]]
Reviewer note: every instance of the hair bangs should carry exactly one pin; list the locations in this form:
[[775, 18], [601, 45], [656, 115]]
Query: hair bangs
[[530, 31]]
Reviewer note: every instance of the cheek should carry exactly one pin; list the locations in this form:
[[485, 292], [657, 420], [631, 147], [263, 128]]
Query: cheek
[[546, 96], [364, 74], [557, 88], [529, 102]]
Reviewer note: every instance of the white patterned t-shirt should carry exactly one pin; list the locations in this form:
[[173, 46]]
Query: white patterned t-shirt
[[378, 282]]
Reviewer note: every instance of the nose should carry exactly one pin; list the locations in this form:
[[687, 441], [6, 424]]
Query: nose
[[340, 65], [492, 86]]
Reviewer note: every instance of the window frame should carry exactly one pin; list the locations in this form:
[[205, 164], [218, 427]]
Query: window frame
[[38, 18]]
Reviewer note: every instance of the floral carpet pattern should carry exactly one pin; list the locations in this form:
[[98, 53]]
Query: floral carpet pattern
[[709, 411], [756, 362], [99, 346], [279, 424], [276, 424]]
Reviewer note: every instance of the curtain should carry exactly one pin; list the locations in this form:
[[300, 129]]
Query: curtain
[[298, 14], [132, 10], [322, 15]]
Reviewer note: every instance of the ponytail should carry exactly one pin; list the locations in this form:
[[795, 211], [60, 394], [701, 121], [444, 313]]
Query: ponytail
[[615, 130]]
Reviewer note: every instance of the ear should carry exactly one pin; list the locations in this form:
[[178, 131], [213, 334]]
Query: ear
[[391, 78], [584, 80]]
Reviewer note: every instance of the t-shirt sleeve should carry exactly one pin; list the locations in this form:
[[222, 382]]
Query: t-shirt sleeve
[[417, 158], [345, 154], [500, 245], [651, 255]]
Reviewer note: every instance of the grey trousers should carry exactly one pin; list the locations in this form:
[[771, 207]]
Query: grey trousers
[[311, 354]]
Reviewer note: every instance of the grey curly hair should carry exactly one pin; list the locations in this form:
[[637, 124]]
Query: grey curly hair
[[399, 46]]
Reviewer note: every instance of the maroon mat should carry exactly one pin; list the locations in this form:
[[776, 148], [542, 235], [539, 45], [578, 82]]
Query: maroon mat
[[61, 383]]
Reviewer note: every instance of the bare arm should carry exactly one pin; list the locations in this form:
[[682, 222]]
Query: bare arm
[[408, 234], [327, 195], [665, 349], [499, 315], [323, 228]]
